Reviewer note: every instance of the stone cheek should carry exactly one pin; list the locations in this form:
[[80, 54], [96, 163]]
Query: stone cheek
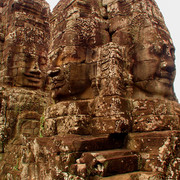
[[69, 80]]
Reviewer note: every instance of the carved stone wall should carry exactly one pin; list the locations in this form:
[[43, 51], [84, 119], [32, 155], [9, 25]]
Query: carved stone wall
[[120, 68], [1, 36], [86, 92], [24, 38]]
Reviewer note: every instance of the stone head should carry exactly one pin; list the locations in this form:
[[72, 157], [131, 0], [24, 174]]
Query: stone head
[[71, 50], [30, 71], [26, 43], [129, 69], [154, 67], [140, 32]]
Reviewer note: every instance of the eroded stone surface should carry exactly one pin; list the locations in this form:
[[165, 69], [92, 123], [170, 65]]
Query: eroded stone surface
[[137, 175], [159, 151], [108, 63], [78, 83]]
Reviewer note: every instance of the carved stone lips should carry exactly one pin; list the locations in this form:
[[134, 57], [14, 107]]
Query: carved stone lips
[[166, 78], [167, 75], [33, 77], [165, 81]]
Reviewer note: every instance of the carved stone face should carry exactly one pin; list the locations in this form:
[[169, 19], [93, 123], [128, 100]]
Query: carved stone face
[[154, 68], [30, 71], [69, 74], [69, 79]]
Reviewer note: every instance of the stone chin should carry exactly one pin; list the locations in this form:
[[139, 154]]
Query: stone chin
[[160, 87]]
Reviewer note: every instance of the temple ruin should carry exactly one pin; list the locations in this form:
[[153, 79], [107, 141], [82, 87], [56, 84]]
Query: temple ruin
[[86, 91]]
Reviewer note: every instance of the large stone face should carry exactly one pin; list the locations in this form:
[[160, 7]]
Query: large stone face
[[26, 32], [87, 91]]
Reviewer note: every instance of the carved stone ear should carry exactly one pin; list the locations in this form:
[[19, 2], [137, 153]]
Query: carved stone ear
[[28, 124], [1, 37]]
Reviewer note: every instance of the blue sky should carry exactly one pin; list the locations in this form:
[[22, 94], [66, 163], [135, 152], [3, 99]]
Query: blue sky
[[171, 12]]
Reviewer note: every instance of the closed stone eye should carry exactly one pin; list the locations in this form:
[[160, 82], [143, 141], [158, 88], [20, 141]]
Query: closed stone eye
[[156, 49]]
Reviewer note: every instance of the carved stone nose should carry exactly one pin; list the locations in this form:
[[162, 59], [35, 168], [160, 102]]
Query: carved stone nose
[[168, 65], [54, 72], [36, 65], [35, 68]]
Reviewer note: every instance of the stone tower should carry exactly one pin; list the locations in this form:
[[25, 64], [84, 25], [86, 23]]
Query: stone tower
[[93, 84]]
